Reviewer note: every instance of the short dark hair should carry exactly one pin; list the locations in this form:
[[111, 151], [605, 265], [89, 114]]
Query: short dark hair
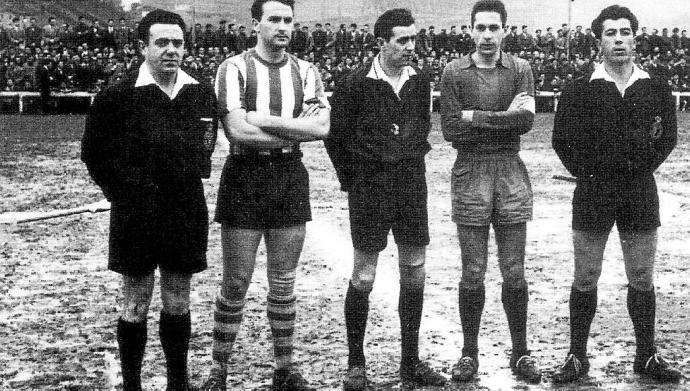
[[158, 16], [258, 7], [613, 12], [490, 6], [383, 28]]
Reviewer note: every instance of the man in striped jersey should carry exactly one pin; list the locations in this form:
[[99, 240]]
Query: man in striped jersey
[[271, 101]]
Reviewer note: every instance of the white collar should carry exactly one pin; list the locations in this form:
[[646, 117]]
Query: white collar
[[145, 78], [600, 73], [376, 72]]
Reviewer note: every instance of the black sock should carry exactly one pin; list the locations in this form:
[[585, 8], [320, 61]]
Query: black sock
[[642, 310], [174, 332], [515, 305], [471, 306], [356, 312], [410, 303], [583, 306], [131, 340]]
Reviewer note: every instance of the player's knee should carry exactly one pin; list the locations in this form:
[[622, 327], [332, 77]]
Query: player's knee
[[514, 277], [135, 312], [175, 303], [473, 274], [235, 288], [412, 276], [585, 282], [363, 280], [641, 279]]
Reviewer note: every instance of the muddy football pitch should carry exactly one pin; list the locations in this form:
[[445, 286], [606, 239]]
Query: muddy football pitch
[[59, 303]]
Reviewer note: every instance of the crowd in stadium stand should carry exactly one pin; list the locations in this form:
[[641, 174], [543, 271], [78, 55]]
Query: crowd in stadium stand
[[88, 55]]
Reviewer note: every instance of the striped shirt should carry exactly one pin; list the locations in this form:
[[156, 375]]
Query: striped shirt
[[248, 82]]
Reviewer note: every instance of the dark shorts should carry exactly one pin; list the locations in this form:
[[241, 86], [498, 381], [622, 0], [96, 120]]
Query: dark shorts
[[171, 234], [263, 193], [387, 197], [632, 205], [490, 188]]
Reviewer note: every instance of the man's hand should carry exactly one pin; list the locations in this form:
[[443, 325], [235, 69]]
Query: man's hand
[[522, 101], [309, 110]]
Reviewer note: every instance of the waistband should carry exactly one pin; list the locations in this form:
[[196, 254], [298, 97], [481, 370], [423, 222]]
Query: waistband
[[239, 151], [483, 156]]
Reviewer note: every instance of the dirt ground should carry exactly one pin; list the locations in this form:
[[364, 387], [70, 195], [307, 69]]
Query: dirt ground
[[59, 304]]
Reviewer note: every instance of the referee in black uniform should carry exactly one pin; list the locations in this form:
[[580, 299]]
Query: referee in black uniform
[[613, 129], [147, 144], [379, 128]]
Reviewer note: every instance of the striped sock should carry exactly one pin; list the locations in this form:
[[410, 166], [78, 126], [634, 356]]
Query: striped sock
[[281, 313], [281, 317], [227, 318]]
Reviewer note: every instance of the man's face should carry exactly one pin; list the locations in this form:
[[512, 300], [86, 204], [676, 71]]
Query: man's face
[[398, 51], [165, 48], [617, 41], [487, 32], [276, 25]]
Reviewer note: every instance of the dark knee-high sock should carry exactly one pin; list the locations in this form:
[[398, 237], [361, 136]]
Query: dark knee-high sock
[[583, 306], [515, 305], [471, 306], [131, 340], [356, 313], [174, 332], [642, 310], [410, 303]]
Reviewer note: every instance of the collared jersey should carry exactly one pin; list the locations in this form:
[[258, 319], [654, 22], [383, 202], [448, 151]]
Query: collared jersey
[[600, 73], [488, 92], [377, 73], [145, 78], [246, 81], [603, 135], [371, 124]]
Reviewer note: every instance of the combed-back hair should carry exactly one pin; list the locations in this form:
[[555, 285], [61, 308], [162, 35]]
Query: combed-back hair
[[383, 28], [258, 7], [490, 6], [158, 16], [613, 12]]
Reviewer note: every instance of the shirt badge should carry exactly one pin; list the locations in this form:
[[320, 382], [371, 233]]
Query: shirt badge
[[657, 128]]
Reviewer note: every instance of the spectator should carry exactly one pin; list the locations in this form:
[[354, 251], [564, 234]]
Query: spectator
[[50, 31], [122, 36], [33, 34]]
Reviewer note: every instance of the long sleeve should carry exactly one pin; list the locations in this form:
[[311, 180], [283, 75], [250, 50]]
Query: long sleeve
[[569, 138], [342, 107], [485, 124], [105, 152]]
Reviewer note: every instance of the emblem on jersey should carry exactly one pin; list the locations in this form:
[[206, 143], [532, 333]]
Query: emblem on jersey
[[657, 128]]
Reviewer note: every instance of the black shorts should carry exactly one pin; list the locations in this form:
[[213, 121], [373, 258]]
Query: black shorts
[[385, 197], [632, 205], [170, 233], [263, 192]]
